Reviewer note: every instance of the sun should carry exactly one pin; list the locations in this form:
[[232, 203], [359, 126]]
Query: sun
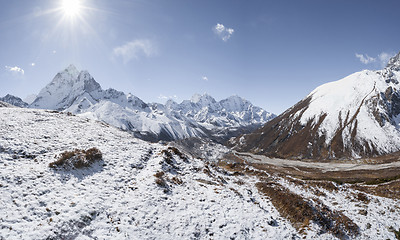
[[71, 8]]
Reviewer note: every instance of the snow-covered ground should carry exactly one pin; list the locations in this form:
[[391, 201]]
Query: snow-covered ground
[[118, 198], [141, 190]]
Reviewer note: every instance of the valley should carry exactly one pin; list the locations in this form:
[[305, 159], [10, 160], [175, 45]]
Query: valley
[[81, 162], [199, 120], [141, 190]]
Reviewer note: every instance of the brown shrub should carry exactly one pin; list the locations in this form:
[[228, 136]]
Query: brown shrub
[[330, 186], [170, 152], [362, 197], [177, 180], [388, 190], [177, 152], [160, 181], [77, 158], [300, 211], [159, 174], [396, 233]]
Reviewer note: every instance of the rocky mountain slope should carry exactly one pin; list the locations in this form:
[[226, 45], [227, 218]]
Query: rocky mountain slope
[[4, 104], [140, 190], [13, 100], [357, 116], [202, 116]]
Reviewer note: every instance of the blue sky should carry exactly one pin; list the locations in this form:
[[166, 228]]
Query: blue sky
[[272, 53]]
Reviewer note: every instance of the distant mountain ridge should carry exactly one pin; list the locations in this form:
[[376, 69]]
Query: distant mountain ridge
[[357, 116], [202, 116], [13, 100]]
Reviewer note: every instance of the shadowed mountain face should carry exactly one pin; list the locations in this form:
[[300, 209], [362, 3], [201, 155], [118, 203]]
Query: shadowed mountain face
[[202, 116], [357, 116], [13, 100]]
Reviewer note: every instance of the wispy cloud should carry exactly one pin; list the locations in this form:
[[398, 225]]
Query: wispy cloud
[[365, 58], [135, 49], [204, 78], [163, 97], [15, 70], [223, 32], [384, 58]]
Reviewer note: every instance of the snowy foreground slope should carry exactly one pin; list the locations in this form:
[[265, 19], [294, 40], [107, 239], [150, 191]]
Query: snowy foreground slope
[[141, 190], [357, 116], [202, 116]]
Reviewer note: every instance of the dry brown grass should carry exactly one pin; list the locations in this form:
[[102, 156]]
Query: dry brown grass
[[388, 190], [160, 181], [362, 197], [170, 151], [176, 180], [300, 211], [381, 182], [177, 152], [396, 233], [77, 159]]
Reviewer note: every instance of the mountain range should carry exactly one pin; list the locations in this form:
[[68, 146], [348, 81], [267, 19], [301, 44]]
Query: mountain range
[[357, 116], [77, 92]]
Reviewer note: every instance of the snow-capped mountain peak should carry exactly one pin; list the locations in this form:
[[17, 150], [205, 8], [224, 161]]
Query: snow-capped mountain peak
[[203, 100], [357, 116], [202, 116], [235, 104], [65, 89], [72, 70]]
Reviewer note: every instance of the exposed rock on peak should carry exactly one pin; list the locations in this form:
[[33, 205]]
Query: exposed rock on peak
[[89, 83], [394, 63]]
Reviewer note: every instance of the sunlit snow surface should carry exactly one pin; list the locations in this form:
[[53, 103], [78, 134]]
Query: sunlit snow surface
[[119, 199], [116, 200], [353, 96]]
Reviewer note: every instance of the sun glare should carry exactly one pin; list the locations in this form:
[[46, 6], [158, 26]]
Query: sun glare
[[71, 8]]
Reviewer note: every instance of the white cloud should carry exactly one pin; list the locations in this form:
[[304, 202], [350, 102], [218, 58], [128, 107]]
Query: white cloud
[[223, 32], [33, 64], [384, 58], [365, 58], [163, 97], [134, 49], [204, 78], [15, 70], [54, 51]]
